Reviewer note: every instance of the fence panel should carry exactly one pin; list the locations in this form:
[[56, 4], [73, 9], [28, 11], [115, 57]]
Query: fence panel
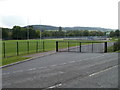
[[74, 46], [23, 48], [40, 46], [9, 49], [63, 46], [49, 45], [32, 47], [86, 47]]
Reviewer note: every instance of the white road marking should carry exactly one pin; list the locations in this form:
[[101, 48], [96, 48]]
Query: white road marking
[[102, 71], [53, 65], [41, 67], [18, 71], [62, 63], [5, 73], [60, 72], [71, 62], [55, 86], [32, 69]]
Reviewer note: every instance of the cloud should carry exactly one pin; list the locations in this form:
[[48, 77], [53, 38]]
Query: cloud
[[13, 20]]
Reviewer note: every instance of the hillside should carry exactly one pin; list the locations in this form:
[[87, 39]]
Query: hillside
[[48, 27]]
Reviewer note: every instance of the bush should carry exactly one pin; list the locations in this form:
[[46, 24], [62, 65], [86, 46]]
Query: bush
[[117, 45]]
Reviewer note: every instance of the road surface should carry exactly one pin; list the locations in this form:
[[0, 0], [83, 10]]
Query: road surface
[[64, 70]]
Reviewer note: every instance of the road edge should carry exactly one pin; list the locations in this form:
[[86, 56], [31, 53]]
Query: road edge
[[27, 60]]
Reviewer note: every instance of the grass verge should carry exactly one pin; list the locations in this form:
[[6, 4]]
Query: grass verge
[[14, 59]]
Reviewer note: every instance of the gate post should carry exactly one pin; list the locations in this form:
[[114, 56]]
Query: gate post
[[92, 47], [105, 47], [80, 47], [56, 46]]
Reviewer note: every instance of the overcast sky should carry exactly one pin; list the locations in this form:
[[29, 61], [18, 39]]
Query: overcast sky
[[91, 13]]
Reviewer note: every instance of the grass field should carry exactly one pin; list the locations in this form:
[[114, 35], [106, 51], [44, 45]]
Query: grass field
[[35, 46]]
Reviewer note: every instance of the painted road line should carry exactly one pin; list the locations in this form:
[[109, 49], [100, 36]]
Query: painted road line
[[102, 71], [71, 62], [55, 86], [32, 69], [62, 63], [53, 65]]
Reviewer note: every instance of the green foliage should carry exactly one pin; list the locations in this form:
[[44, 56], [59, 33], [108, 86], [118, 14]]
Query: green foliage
[[10, 60], [86, 33], [115, 33], [117, 45], [19, 33], [6, 33], [60, 29]]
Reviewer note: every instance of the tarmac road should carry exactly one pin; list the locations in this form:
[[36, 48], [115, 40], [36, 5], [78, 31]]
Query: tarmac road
[[64, 70]]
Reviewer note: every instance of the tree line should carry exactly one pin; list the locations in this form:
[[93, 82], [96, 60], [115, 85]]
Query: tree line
[[19, 33]]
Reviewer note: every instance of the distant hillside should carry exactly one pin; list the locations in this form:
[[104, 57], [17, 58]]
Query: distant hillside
[[48, 27]]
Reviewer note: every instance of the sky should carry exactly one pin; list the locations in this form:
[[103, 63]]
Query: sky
[[65, 13]]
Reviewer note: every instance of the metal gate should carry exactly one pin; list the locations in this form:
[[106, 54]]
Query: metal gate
[[85, 47]]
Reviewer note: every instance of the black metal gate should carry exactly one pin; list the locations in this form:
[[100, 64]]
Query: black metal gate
[[85, 47]]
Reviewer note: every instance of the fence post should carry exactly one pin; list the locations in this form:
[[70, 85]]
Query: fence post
[[56, 46], [92, 47], [28, 46], [36, 46], [80, 47], [68, 46], [4, 49], [105, 47], [17, 49], [43, 46]]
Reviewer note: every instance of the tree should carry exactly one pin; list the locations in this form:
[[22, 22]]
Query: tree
[[38, 33], [86, 33], [5, 33], [117, 33], [32, 33], [112, 34], [16, 32], [70, 33], [60, 29]]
